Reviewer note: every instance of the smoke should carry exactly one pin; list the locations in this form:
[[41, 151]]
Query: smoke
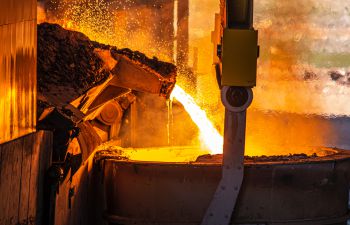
[[296, 101], [298, 39]]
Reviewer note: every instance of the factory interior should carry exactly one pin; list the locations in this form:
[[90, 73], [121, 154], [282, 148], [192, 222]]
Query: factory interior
[[174, 112]]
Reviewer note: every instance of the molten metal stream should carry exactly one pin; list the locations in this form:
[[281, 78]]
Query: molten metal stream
[[208, 134]]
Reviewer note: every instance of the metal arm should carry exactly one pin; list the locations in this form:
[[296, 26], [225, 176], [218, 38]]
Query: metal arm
[[238, 55], [236, 101]]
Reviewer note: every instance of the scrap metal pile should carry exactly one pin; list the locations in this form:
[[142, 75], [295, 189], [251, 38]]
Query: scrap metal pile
[[69, 64]]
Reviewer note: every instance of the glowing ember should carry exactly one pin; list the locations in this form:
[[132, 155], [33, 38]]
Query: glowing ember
[[208, 134], [152, 154]]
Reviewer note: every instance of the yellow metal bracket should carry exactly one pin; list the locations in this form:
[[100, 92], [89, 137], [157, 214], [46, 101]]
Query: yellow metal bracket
[[239, 57]]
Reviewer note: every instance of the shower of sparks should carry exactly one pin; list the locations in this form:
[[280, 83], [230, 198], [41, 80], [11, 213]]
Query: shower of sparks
[[124, 24]]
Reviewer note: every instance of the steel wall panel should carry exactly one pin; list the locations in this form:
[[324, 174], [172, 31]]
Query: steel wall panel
[[34, 9], [3, 8], [2, 14], [17, 68], [12, 11], [25, 10]]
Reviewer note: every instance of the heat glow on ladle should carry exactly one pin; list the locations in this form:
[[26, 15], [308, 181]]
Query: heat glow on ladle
[[209, 135]]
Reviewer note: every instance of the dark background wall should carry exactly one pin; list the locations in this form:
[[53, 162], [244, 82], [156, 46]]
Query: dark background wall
[[23, 163]]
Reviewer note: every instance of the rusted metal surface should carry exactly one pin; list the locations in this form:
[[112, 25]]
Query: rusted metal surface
[[17, 68], [313, 191], [131, 75]]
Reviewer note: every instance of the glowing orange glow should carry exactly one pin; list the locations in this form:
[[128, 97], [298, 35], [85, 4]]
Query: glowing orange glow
[[41, 15], [68, 25], [156, 154], [209, 136], [285, 112]]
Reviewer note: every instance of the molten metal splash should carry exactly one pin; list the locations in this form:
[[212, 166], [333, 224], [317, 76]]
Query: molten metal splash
[[154, 154], [208, 134]]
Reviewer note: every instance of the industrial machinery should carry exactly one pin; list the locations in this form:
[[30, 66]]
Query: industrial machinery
[[236, 68], [313, 191], [90, 93], [87, 110], [200, 192]]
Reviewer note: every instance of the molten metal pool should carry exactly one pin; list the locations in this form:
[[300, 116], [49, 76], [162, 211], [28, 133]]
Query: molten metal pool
[[311, 190]]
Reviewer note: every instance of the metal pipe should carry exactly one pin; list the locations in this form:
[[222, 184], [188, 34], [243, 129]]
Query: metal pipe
[[239, 14]]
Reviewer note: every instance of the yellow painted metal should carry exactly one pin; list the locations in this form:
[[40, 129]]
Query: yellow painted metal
[[239, 57]]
